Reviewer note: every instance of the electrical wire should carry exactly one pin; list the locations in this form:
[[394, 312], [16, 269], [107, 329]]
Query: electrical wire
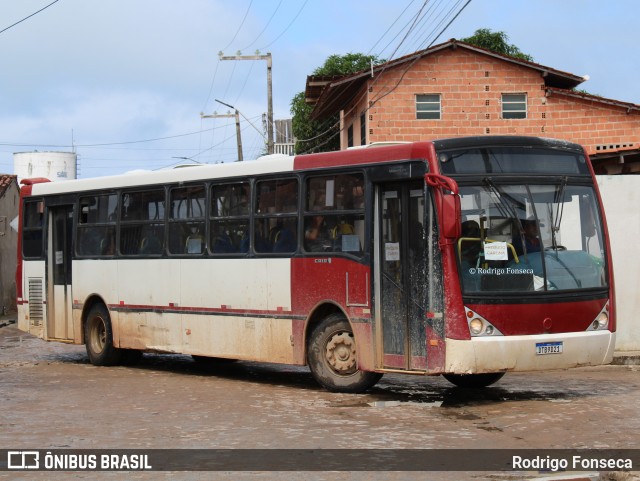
[[215, 73], [390, 27], [406, 69], [286, 28], [240, 27], [28, 17], [265, 27], [128, 142]]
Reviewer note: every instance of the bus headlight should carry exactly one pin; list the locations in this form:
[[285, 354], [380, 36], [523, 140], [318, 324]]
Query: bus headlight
[[601, 321], [479, 326], [475, 326]]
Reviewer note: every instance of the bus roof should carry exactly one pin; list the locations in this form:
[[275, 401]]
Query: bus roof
[[142, 178], [263, 165]]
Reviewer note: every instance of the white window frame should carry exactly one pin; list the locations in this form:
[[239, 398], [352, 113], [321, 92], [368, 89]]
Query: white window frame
[[422, 101], [515, 113]]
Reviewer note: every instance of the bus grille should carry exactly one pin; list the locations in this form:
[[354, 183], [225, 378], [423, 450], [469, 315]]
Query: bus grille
[[36, 306]]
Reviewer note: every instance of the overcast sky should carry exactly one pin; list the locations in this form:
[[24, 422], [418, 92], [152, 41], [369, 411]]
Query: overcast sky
[[122, 73]]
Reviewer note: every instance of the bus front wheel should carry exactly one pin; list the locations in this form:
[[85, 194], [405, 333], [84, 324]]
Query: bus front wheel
[[331, 356], [474, 380], [98, 337]]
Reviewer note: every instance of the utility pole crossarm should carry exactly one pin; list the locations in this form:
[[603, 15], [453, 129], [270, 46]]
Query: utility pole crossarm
[[266, 57], [236, 115]]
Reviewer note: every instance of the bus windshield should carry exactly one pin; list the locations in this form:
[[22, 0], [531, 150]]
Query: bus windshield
[[530, 237]]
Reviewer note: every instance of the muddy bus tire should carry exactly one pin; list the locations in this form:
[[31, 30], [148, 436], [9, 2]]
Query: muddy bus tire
[[474, 381], [98, 337], [331, 356]]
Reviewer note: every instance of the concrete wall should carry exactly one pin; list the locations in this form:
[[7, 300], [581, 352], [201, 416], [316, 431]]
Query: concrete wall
[[8, 246], [621, 198]]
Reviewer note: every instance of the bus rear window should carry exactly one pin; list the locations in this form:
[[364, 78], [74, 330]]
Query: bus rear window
[[32, 229]]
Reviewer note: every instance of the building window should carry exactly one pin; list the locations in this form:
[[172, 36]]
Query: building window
[[514, 106], [428, 106], [350, 136], [363, 129]]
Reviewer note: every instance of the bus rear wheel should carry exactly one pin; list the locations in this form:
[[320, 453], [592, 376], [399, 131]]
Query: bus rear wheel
[[331, 356], [98, 337], [474, 381]]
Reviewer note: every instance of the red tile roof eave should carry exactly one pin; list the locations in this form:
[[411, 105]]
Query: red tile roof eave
[[354, 81], [6, 181], [594, 98], [633, 150]]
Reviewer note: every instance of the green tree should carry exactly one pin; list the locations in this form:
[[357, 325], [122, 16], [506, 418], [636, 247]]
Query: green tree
[[497, 42], [321, 136]]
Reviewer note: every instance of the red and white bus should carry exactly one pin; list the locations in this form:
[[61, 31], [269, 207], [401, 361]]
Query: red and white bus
[[466, 257]]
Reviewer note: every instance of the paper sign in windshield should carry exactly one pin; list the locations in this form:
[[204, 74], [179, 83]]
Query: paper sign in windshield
[[496, 251]]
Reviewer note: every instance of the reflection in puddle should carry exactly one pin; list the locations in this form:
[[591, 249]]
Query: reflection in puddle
[[382, 404]]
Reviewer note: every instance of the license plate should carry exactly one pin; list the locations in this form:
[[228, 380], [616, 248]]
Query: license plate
[[548, 348]]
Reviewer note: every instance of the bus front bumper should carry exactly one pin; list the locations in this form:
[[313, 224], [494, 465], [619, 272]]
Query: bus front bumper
[[529, 353]]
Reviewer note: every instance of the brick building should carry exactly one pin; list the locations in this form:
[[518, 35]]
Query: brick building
[[457, 89]]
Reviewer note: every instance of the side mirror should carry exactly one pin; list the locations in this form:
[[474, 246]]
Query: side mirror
[[451, 216], [450, 210]]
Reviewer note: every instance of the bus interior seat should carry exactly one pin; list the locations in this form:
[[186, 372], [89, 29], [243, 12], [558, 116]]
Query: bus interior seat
[[107, 246], [150, 245], [284, 241], [223, 244], [194, 244], [345, 238]]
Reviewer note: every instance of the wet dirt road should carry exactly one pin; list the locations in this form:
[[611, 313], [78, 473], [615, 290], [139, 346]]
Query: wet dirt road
[[52, 398]]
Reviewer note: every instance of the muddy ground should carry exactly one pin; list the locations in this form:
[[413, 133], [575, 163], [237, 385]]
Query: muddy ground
[[52, 398]]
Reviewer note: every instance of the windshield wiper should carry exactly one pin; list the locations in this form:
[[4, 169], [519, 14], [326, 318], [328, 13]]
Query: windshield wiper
[[557, 219]]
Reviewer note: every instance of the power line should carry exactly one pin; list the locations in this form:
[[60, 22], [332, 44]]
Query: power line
[[127, 142], [286, 28], [390, 27], [432, 14], [215, 72], [265, 27], [411, 62], [26, 18], [240, 27]]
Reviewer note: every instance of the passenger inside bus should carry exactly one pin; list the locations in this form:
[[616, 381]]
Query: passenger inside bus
[[317, 236], [108, 245], [528, 240]]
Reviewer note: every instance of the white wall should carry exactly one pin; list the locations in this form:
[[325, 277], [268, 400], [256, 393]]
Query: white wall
[[621, 198]]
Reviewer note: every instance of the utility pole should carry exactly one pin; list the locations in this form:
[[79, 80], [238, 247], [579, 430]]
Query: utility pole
[[266, 57], [237, 117]]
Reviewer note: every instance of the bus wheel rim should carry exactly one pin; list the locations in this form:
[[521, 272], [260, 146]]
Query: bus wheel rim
[[99, 337], [340, 353]]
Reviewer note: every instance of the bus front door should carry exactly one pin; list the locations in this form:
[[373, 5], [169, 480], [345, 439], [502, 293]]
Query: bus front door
[[400, 275], [59, 298]]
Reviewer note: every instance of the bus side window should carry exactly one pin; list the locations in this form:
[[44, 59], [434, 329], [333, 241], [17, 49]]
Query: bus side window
[[334, 213], [96, 225], [276, 216], [186, 220], [229, 218], [143, 221]]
